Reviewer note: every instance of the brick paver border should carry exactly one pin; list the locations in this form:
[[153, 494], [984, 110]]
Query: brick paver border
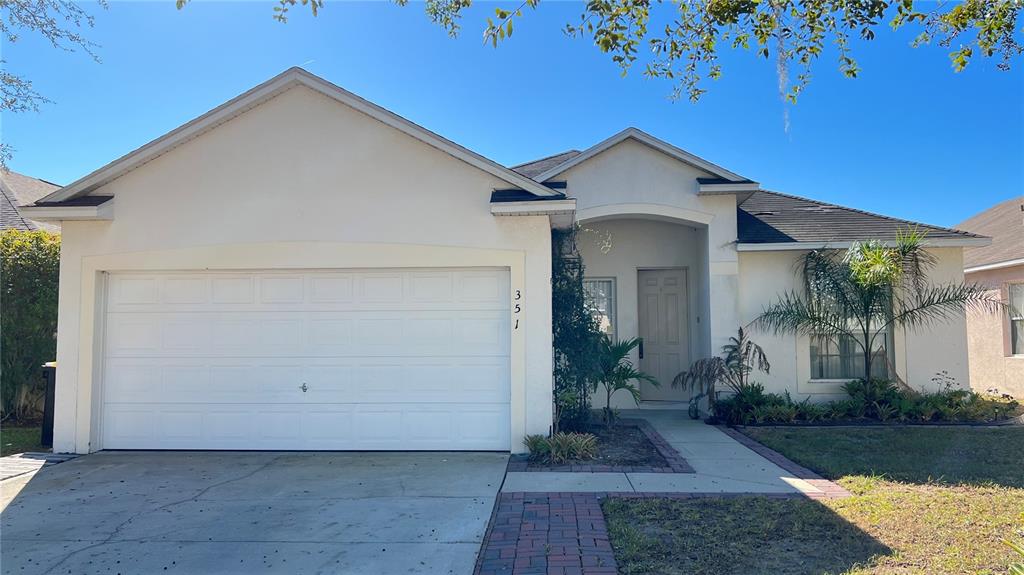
[[829, 489], [676, 462]]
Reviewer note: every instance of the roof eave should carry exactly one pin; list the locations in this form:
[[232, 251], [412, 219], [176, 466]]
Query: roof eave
[[994, 266], [58, 213], [794, 246]]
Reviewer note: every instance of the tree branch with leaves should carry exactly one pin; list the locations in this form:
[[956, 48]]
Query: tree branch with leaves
[[795, 33]]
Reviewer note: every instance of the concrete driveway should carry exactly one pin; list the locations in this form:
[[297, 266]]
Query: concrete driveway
[[257, 512]]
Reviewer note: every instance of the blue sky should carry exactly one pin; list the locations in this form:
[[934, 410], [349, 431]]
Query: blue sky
[[909, 138]]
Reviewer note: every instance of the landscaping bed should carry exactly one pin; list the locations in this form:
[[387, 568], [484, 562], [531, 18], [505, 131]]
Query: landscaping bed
[[630, 446], [924, 500]]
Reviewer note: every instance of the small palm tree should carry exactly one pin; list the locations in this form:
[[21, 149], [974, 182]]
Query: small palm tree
[[740, 357], [617, 373], [868, 289]]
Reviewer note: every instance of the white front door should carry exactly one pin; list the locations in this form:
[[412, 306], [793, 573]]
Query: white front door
[[663, 318], [333, 359]]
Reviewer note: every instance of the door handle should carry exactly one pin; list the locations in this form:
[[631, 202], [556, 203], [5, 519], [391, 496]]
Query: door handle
[[303, 387], [641, 348]]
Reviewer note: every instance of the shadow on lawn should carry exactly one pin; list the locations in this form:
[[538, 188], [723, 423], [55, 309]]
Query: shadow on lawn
[[919, 455], [741, 536]]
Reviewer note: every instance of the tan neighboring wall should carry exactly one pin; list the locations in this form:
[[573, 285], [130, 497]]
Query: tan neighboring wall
[[988, 338]]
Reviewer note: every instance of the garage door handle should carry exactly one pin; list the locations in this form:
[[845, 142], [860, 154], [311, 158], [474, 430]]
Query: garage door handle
[[303, 387]]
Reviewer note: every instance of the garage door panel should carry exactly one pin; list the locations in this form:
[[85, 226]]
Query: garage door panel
[[440, 290], [403, 359], [299, 427]]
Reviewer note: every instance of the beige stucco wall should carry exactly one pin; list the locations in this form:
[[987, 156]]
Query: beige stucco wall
[[649, 201], [918, 355], [300, 181], [634, 180], [635, 244], [992, 364]]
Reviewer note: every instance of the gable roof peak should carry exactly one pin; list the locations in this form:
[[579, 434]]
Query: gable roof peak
[[643, 137], [247, 100]]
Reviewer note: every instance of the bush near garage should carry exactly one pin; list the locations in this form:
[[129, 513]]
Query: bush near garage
[[29, 269]]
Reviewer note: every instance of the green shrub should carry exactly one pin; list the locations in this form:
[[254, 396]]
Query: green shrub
[[537, 445], [878, 400], [29, 269], [562, 447]]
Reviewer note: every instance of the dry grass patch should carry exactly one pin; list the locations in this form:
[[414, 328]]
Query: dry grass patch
[[933, 501]]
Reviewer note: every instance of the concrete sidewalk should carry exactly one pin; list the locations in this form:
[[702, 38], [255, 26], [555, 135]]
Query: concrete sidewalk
[[721, 463]]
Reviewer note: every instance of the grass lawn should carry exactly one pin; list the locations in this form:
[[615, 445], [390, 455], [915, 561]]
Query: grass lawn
[[926, 501], [19, 440]]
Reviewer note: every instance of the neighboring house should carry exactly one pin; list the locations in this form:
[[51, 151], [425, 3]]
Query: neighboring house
[[995, 343], [302, 269], [20, 190]]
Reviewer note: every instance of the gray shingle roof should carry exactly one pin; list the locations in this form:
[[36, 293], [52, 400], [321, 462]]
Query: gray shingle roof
[[1004, 223], [22, 190], [538, 167], [770, 217]]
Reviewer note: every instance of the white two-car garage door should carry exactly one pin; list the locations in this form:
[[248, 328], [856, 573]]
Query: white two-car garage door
[[333, 359]]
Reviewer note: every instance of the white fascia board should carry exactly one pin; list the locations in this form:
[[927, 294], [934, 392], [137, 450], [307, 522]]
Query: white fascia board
[[646, 139], [104, 211], [534, 208], [265, 91], [730, 188], [995, 266], [790, 246]]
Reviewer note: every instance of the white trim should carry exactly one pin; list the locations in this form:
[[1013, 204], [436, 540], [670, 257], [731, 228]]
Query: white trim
[[534, 208], [265, 91], [995, 266], [931, 243], [104, 211], [646, 139], [730, 188]]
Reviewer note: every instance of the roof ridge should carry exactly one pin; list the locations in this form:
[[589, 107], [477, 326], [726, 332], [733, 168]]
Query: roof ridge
[[545, 158], [865, 212]]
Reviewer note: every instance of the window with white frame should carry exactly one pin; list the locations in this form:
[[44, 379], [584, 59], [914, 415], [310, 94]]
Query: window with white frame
[[843, 358], [600, 296], [1016, 319]]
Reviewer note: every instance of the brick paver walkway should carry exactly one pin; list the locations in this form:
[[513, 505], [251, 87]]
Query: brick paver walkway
[[547, 534]]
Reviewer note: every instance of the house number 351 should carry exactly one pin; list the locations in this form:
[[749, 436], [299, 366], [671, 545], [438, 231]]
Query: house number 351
[[517, 308]]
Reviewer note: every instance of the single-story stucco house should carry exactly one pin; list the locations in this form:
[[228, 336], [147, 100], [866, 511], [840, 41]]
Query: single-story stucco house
[[995, 342], [302, 269]]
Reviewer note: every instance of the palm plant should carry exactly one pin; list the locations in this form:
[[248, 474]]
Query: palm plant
[[616, 372], [740, 357], [868, 289], [1018, 549]]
